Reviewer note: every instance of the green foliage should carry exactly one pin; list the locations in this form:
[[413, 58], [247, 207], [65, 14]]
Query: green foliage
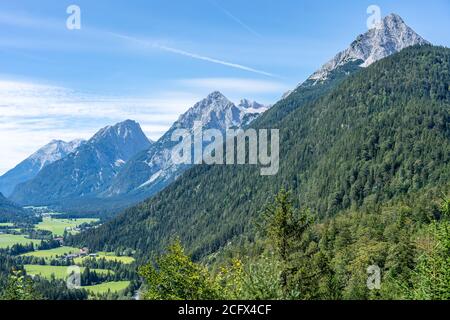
[[176, 277], [19, 287], [262, 279], [431, 278], [330, 259], [285, 227]]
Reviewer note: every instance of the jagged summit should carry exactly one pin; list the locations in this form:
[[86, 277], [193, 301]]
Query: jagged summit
[[391, 35], [216, 95], [53, 151], [123, 130], [214, 102], [217, 111]]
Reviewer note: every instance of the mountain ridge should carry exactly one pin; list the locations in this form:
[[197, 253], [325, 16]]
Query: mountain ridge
[[152, 170], [86, 170], [215, 111], [31, 166]]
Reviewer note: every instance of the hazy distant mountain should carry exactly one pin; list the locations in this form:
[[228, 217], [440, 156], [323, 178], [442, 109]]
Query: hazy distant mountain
[[152, 170], [30, 167], [251, 110], [9, 211], [88, 170]]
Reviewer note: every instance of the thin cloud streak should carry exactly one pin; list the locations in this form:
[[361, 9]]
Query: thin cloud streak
[[193, 55], [32, 22], [236, 19]]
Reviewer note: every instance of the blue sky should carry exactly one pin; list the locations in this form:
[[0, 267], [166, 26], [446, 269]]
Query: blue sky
[[150, 60]]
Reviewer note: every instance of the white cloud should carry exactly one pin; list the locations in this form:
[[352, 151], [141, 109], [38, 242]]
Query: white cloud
[[32, 114]]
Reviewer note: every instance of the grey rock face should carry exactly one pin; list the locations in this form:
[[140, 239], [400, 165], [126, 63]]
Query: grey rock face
[[390, 36]]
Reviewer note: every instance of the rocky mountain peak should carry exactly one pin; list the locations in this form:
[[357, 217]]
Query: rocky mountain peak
[[127, 130], [213, 111], [54, 151], [391, 35]]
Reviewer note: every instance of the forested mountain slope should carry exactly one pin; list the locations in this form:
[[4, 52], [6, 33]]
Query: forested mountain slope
[[381, 134], [10, 212]]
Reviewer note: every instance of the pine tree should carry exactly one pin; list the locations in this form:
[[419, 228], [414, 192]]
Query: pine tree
[[19, 287], [285, 227], [432, 275]]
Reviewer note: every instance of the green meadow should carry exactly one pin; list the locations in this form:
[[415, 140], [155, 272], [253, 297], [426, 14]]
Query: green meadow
[[8, 240], [60, 272], [106, 287], [6, 224], [52, 253], [108, 256], [58, 226]]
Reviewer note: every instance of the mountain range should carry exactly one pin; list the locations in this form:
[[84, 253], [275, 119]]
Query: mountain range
[[153, 169], [119, 163], [365, 133], [87, 170]]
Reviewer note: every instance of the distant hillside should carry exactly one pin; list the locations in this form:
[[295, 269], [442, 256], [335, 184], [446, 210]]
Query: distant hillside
[[10, 212], [380, 135]]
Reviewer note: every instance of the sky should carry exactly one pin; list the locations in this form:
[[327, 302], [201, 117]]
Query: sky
[[151, 60]]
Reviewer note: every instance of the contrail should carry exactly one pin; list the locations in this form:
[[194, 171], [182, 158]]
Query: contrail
[[193, 55], [225, 63], [236, 19]]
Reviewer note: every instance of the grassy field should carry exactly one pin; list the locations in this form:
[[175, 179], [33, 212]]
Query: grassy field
[[59, 272], [53, 253], [8, 240], [109, 256], [6, 224], [58, 226], [108, 287]]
